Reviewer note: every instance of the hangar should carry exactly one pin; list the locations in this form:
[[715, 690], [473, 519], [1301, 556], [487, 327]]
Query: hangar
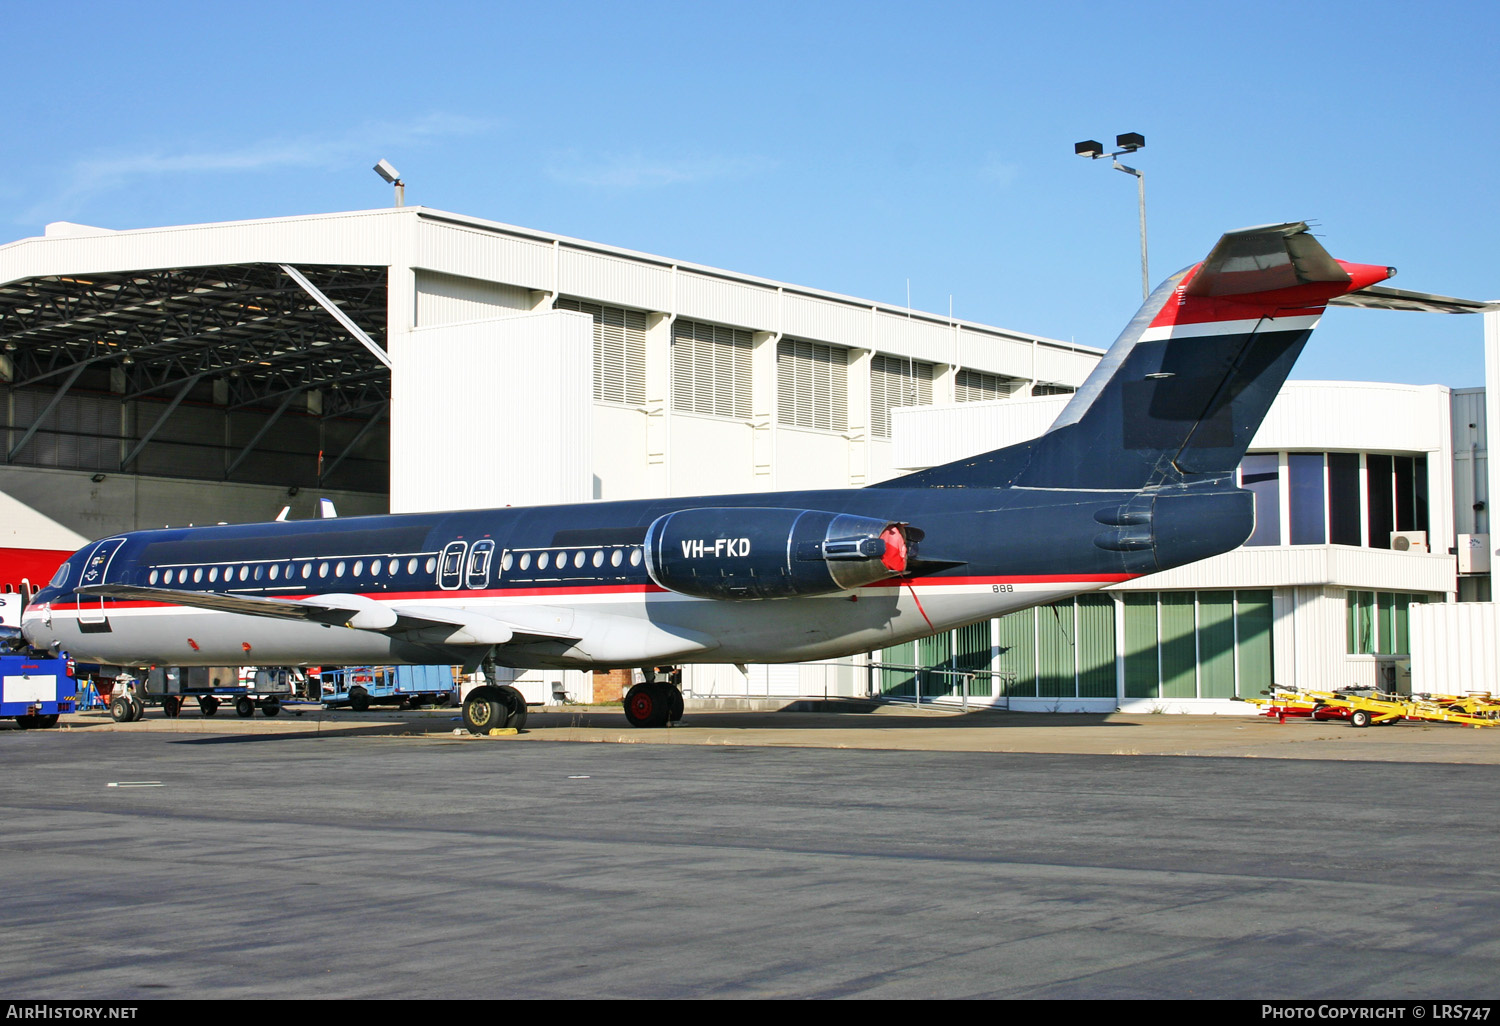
[[413, 359]]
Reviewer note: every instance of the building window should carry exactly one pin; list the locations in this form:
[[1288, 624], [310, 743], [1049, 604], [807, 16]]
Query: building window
[[1260, 474], [1051, 388], [812, 385], [1330, 500], [1379, 622], [711, 369], [894, 383], [1206, 644], [1306, 485], [619, 350], [977, 386], [1343, 498]]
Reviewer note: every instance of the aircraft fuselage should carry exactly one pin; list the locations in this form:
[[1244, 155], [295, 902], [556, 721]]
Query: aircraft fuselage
[[577, 575]]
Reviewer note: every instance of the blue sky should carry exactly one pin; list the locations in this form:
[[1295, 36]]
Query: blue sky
[[850, 147]]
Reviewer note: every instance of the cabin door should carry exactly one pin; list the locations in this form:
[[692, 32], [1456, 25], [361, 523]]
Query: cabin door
[[96, 571]]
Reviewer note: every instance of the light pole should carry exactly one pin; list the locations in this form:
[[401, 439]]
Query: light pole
[[390, 174], [1128, 143]]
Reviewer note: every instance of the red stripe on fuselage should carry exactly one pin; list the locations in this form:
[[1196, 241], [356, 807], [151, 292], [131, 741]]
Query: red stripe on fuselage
[[624, 589]]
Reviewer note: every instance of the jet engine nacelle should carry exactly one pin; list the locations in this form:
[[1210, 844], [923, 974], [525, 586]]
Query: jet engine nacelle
[[758, 553]]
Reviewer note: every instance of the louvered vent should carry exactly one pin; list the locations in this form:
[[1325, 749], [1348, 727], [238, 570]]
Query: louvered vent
[[711, 369], [619, 350], [977, 386], [895, 383], [812, 385]]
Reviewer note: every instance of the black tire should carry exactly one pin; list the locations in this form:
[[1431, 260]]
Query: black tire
[[484, 711], [26, 721], [647, 706], [121, 709], [674, 703], [139, 707], [172, 706], [270, 707], [244, 707], [208, 705], [1360, 718], [515, 702], [359, 699], [44, 721]]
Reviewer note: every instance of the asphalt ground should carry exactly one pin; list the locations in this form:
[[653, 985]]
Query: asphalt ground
[[768, 854]]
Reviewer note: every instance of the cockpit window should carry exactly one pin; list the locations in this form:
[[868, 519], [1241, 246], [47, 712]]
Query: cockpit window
[[59, 578]]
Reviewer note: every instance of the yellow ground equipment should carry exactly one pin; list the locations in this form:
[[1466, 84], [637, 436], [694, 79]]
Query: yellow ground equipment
[[1365, 706]]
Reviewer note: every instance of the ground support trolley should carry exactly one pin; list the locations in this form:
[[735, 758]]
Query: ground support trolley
[[247, 689], [1363, 707]]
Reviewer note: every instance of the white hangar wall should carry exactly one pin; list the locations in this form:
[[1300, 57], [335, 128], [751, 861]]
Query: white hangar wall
[[706, 353], [475, 422]]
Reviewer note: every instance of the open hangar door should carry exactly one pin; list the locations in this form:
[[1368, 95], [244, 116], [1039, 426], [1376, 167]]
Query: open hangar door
[[124, 393]]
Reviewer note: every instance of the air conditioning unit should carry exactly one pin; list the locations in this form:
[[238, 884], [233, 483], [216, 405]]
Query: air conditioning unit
[[1473, 553], [1409, 541]]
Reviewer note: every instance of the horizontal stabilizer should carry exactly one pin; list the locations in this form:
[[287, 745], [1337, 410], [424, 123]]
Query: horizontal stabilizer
[[1379, 297], [1265, 258]]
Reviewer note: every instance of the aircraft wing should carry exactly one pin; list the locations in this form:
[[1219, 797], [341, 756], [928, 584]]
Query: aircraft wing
[[1380, 297], [422, 624]]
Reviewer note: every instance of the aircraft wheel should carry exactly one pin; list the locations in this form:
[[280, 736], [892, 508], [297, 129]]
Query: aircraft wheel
[[359, 699], [244, 707], [674, 703], [139, 707], [515, 702], [26, 721], [485, 710], [1359, 718], [172, 706], [44, 720], [270, 707], [208, 705], [121, 709], [647, 706]]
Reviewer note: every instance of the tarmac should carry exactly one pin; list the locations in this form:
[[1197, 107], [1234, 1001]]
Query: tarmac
[[869, 726], [748, 852]]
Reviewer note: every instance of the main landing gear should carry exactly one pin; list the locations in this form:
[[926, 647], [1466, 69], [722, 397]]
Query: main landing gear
[[657, 701], [492, 706]]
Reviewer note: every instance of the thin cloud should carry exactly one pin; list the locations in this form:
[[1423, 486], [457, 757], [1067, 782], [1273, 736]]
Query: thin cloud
[[94, 176], [997, 171], [638, 171]]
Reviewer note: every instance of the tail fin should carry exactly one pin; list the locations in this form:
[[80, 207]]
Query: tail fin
[[1184, 388]]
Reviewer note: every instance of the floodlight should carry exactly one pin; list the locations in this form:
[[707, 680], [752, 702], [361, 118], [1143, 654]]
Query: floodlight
[[1130, 141], [390, 174], [1089, 148]]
